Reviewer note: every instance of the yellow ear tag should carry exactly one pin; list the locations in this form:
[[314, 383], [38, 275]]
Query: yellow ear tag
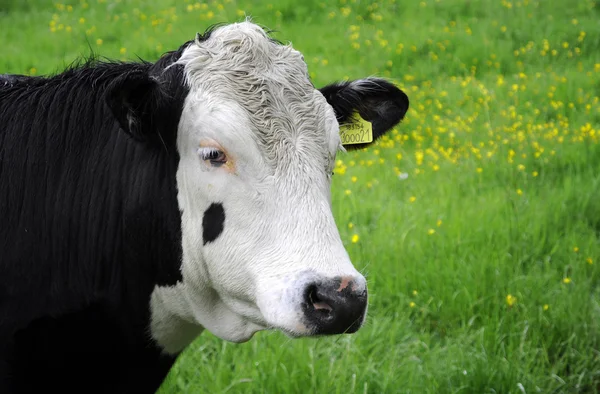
[[358, 131]]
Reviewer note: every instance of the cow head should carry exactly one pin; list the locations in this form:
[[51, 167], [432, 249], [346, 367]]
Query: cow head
[[257, 144]]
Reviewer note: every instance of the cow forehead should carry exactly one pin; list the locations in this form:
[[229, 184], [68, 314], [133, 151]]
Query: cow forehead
[[243, 52], [240, 63]]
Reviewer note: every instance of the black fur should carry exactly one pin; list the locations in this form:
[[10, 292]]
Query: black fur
[[7, 80], [213, 222], [376, 100], [90, 224]]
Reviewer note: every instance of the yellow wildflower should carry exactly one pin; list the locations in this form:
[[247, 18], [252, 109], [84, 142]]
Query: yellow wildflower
[[511, 300]]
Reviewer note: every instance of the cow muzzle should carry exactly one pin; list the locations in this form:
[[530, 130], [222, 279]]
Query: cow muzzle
[[335, 306]]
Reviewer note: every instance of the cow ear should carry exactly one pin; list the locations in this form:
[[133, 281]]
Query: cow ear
[[371, 103], [133, 99]]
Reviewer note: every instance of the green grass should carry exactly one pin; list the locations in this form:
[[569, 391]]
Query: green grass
[[501, 148]]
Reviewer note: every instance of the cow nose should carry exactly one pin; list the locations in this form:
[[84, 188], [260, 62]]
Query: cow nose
[[335, 306]]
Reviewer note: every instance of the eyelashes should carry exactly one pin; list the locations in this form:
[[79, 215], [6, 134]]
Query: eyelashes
[[214, 156]]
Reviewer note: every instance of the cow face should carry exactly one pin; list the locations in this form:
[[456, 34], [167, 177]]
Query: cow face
[[257, 143]]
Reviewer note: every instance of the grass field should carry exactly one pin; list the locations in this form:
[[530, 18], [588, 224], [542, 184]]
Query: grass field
[[477, 221]]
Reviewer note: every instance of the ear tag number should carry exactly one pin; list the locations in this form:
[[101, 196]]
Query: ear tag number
[[358, 131]]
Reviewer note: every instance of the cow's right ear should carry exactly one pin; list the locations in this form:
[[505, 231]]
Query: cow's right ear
[[134, 99]]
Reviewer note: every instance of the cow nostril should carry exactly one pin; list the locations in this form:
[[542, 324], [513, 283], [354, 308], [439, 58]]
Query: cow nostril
[[317, 303], [317, 306], [334, 307]]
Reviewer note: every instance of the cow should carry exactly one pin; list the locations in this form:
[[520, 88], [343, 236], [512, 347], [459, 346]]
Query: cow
[[144, 202]]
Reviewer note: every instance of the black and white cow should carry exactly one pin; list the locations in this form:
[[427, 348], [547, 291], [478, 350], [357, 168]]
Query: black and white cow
[[141, 203]]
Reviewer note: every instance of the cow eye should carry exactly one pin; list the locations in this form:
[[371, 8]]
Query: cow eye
[[215, 156]]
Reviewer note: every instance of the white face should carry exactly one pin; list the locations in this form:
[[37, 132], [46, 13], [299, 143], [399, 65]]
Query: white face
[[260, 245]]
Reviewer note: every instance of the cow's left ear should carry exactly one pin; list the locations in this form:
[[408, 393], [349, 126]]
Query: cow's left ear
[[138, 103], [372, 102]]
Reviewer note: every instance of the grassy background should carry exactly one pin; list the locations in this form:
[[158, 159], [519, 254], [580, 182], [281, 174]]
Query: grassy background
[[477, 221]]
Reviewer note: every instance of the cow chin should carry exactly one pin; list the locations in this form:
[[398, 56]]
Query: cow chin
[[180, 313]]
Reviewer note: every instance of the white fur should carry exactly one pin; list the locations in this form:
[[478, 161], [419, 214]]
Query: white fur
[[252, 97]]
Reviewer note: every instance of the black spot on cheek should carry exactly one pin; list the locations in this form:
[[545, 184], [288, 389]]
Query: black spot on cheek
[[213, 222]]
